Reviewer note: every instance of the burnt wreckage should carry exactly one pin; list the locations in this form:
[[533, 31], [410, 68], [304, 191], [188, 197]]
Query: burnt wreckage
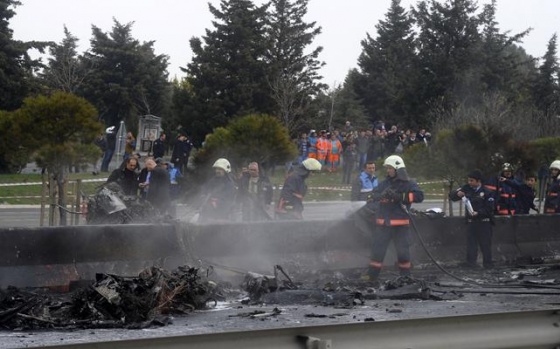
[[110, 205], [291, 262]]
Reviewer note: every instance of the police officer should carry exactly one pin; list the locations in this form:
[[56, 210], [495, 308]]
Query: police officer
[[364, 183], [479, 203], [394, 196], [290, 204]]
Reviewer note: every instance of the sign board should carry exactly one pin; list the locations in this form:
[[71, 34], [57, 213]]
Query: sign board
[[149, 128]]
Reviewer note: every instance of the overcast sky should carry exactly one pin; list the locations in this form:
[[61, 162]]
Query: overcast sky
[[171, 23]]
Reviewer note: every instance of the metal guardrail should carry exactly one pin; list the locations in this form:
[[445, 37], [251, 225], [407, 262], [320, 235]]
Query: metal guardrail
[[525, 329]]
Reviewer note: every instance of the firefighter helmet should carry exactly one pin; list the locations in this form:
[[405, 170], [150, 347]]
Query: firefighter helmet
[[223, 164], [394, 161], [555, 164], [507, 167], [311, 164]]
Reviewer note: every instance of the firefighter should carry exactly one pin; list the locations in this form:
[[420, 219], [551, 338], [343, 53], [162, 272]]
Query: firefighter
[[290, 204], [218, 194], [552, 198], [503, 188], [394, 197], [479, 202]]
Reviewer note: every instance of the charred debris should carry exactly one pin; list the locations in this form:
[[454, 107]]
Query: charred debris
[[155, 295]]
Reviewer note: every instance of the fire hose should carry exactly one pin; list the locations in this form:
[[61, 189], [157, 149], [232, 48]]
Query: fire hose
[[442, 269]]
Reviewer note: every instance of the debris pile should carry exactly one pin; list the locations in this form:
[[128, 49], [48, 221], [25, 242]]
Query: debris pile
[[110, 205], [111, 302]]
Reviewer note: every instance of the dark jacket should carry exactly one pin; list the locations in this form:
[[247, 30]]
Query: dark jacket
[[391, 195], [504, 193], [181, 152], [218, 199], [482, 201], [552, 198], [254, 204], [126, 179], [525, 199], [158, 149], [264, 189], [158, 190], [293, 191]]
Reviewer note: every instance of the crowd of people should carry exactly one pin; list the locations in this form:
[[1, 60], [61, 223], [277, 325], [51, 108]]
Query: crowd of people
[[349, 149]]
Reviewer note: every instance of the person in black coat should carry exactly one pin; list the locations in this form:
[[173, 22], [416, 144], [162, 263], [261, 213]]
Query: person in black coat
[[158, 148], [126, 177], [181, 153], [158, 187]]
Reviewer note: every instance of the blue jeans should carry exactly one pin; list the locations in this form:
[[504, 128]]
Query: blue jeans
[[107, 156]]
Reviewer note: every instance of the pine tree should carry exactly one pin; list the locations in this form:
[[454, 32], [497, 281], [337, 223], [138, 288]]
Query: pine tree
[[65, 70], [129, 78], [505, 68], [294, 74], [546, 88], [449, 46], [388, 69], [228, 73], [16, 68]]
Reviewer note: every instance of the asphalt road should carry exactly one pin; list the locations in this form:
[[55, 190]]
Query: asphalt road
[[29, 216]]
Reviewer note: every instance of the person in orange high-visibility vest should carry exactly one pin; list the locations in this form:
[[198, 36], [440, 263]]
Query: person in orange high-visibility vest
[[333, 157], [393, 197], [322, 147]]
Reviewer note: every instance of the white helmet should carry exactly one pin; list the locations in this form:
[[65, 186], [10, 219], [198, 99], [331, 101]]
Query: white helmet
[[555, 164], [223, 164], [311, 164], [394, 161], [110, 130]]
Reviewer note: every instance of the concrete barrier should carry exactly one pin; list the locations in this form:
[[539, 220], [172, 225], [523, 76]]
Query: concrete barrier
[[54, 256]]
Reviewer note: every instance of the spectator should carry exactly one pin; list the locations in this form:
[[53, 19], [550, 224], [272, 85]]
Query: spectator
[[157, 187], [362, 146], [526, 195], [129, 146], [255, 194], [303, 147], [334, 151], [364, 183], [158, 148], [312, 152], [127, 177], [181, 152], [349, 157], [423, 137], [323, 145], [111, 141]]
